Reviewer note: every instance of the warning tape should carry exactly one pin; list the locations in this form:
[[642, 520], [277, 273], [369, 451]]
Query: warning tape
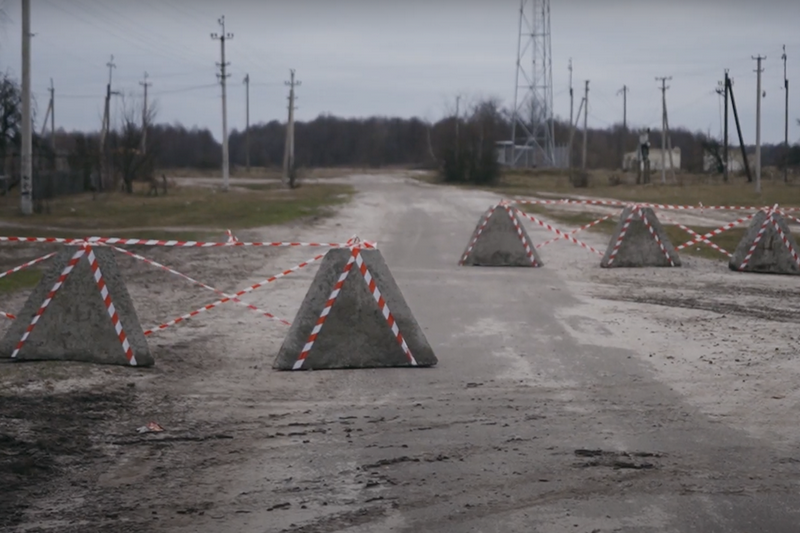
[[785, 240], [8, 315], [521, 235], [59, 282], [655, 236], [112, 311], [622, 233], [199, 244], [199, 283], [337, 288], [231, 237], [478, 234], [28, 264], [42, 239], [616, 203], [573, 232], [698, 238], [387, 314], [760, 234], [559, 232], [713, 233], [236, 295]]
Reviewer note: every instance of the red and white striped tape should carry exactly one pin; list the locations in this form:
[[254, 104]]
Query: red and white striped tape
[[58, 284], [198, 283], [713, 233], [236, 295], [337, 288], [757, 239], [624, 231], [42, 239], [231, 237], [112, 311], [616, 203], [698, 238], [387, 314], [573, 232], [477, 234], [655, 236], [28, 264], [8, 315], [198, 244], [521, 235], [785, 240], [558, 232]]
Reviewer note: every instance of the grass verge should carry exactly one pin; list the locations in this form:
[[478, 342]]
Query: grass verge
[[185, 212], [690, 189], [24, 279]]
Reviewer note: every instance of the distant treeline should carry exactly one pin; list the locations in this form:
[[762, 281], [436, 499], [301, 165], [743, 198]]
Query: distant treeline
[[329, 141]]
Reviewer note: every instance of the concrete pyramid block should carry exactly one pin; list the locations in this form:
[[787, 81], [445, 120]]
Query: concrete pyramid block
[[639, 247], [355, 333], [76, 325], [497, 241], [772, 254]]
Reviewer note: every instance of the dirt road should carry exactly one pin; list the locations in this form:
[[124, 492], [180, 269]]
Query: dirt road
[[567, 398]]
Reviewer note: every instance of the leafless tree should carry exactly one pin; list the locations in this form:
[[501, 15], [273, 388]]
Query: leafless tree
[[133, 159]]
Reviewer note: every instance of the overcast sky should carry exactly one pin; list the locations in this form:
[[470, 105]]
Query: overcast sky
[[406, 58]]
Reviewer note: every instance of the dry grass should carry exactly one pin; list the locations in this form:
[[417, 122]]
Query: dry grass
[[689, 190], [183, 213]]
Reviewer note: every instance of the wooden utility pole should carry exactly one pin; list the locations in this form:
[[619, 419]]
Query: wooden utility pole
[[786, 121], [759, 70], [247, 123], [624, 92], [624, 131], [571, 95], [739, 129], [106, 126], [664, 88], [572, 127], [726, 164], [222, 37], [26, 178], [288, 155], [585, 124], [144, 84]]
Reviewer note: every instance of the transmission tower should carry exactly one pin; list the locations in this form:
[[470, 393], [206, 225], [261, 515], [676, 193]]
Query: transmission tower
[[532, 120]]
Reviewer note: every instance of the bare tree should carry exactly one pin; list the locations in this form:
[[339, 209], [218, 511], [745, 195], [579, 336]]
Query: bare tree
[[131, 160]]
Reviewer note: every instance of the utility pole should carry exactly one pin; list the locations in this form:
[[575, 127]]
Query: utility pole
[[759, 70], [739, 130], [47, 117], [247, 123], [664, 88], [786, 121], [571, 95], [53, 116], [458, 102], [585, 123], [624, 92], [572, 127], [26, 179], [288, 155], [222, 37], [106, 125], [144, 84], [722, 90], [623, 133]]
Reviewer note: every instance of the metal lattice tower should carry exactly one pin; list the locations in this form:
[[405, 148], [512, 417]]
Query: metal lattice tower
[[532, 119]]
